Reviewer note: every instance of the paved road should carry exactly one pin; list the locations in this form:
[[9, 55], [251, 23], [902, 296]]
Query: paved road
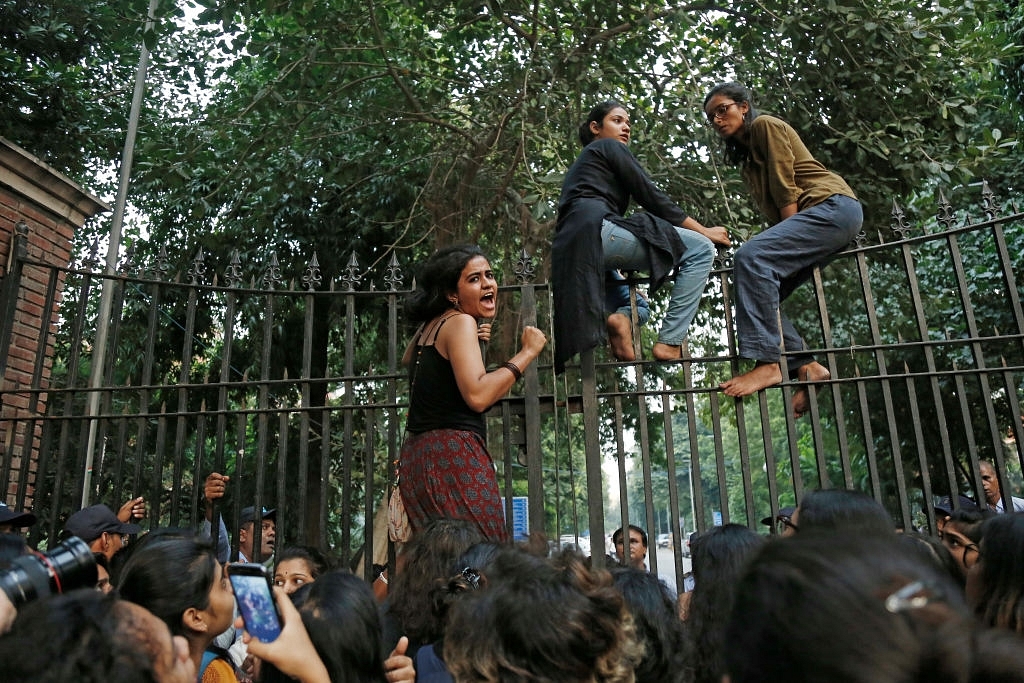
[[667, 565], [666, 562]]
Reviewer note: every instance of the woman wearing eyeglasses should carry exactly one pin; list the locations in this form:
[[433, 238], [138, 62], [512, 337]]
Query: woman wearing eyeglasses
[[814, 215], [961, 536], [594, 236]]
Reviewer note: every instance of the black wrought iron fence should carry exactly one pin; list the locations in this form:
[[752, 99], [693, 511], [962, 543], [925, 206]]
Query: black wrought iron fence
[[294, 389]]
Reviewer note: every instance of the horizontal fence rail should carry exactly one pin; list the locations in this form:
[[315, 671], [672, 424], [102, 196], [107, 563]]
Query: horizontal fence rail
[[293, 387]]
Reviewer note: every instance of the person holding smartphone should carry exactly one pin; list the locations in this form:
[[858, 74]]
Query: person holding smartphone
[[251, 584], [330, 630], [292, 652]]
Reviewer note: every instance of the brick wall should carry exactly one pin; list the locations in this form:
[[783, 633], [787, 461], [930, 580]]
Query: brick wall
[[47, 208]]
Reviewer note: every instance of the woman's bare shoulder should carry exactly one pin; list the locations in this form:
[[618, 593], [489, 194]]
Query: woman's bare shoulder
[[457, 335], [460, 323]]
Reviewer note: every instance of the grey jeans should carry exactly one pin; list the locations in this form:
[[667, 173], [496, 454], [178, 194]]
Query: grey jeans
[[769, 266]]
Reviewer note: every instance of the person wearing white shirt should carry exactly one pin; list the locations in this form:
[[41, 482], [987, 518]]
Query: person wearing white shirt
[[993, 494]]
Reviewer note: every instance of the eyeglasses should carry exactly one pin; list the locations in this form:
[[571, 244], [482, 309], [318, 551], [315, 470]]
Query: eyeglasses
[[782, 523], [719, 111], [124, 540], [970, 553]]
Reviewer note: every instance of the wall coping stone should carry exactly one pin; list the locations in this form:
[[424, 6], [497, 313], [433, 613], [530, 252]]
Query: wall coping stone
[[40, 183]]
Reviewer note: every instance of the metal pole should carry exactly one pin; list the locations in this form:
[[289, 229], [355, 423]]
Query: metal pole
[[113, 249]]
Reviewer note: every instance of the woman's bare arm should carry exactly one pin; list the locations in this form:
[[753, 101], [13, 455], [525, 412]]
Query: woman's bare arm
[[716, 234], [480, 389]]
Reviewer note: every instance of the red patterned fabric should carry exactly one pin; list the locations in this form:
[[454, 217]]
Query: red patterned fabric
[[448, 473]]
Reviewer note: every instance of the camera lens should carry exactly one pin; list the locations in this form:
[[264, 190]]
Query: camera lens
[[66, 566]]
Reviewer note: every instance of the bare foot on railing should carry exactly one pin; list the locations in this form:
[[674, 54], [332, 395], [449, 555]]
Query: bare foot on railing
[[762, 376], [812, 372], [667, 352], [620, 336]]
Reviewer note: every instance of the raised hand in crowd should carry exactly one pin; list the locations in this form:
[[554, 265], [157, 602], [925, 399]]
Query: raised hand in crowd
[[398, 667], [132, 510], [214, 487]]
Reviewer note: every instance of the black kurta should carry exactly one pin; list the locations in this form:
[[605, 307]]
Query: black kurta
[[598, 187]]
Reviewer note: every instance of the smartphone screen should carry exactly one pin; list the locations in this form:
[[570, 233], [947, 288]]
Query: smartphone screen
[[255, 601]]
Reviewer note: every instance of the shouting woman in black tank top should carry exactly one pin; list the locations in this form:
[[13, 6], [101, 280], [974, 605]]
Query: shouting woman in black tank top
[[445, 470]]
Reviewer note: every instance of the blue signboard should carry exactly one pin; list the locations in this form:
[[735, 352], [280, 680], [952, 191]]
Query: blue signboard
[[520, 518]]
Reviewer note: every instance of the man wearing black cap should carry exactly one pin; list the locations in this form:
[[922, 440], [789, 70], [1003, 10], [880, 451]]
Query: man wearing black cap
[[214, 489], [98, 526], [944, 508], [12, 522], [246, 535]]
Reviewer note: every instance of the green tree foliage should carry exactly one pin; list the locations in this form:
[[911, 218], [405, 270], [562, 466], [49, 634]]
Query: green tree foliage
[[377, 128], [66, 78], [369, 128], [388, 125]]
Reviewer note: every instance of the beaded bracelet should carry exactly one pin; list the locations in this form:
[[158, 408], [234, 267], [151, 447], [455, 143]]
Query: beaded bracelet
[[514, 369]]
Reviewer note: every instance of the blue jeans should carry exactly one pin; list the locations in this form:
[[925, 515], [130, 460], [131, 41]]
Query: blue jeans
[[770, 265], [623, 251], [616, 298]]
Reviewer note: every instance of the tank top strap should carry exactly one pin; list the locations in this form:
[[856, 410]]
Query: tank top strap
[[440, 324]]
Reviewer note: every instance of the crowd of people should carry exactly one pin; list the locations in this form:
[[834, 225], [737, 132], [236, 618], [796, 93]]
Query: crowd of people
[[834, 593]]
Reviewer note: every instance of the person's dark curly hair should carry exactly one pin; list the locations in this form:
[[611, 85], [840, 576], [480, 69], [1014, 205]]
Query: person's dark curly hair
[[658, 627], [425, 559], [557, 622], [436, 279], [469, 573]]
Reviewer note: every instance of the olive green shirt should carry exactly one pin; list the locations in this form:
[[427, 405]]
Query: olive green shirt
[[781, 171]]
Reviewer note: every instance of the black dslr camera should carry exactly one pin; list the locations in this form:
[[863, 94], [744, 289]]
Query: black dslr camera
[[66, 566]]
